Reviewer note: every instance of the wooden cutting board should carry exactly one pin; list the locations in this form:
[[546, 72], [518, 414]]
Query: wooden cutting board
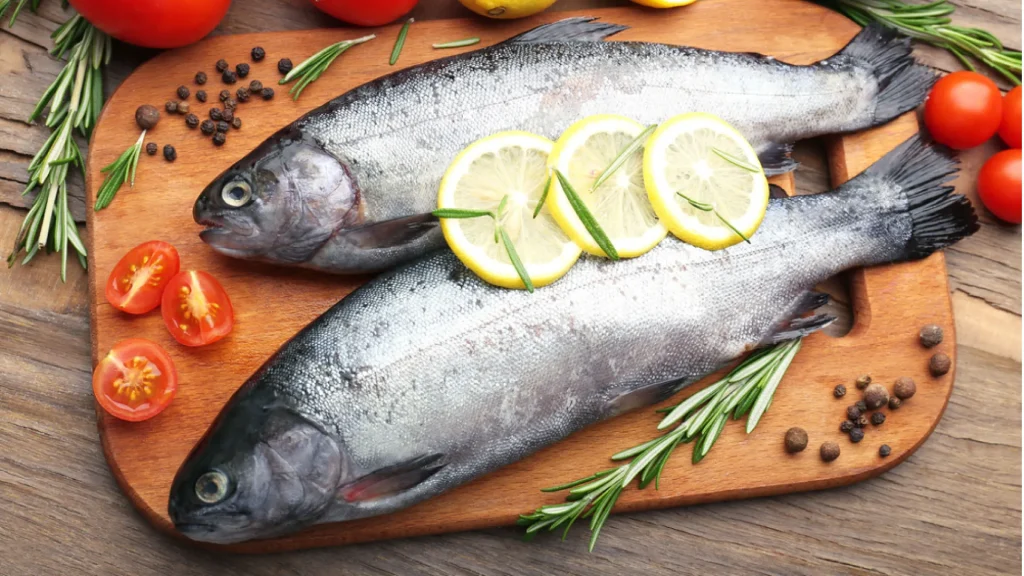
[[271, 304]]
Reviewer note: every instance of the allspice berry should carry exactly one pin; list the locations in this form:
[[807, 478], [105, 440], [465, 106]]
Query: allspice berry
[[147, 116], [931, 335], [183, 108], [877, 418], [171, 106], [852, 412], [861, 406], [201, 95], [170, 154], [856, 435], [876, 396], [863, 382], [846, 426], [221, 65], [904, 388], [227, 115], [796, 440], [939, 364], [839, 391], [183, 92], [219, 138], [208, 127], [151, 148], [884, 450], [894, 403], [829, 451], [284, 66]]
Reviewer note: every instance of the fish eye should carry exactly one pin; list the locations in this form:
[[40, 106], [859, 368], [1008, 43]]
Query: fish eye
[[236, 193], [212, 487]]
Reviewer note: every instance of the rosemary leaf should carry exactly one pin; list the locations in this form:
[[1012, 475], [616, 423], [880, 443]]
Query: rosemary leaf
[[769, 389], [460, 213], [576, 483], [119, 172], [588, 220], [457, 43], [705, 207], [400, 41], [735, 161], [543, 196], [311, 68], [619, 160], [516, 262]]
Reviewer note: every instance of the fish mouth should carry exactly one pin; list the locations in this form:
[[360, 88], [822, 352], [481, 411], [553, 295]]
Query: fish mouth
[[226, 238]]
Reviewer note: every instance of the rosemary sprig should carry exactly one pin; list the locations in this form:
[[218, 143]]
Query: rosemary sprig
[[74, 100], [400, 41], [457, 43], [931, 23], [746, 390], [543, 196], [118, 172], [619, 160], [588, 220], [311, 68], [705, 207], [499, 234], [33, 5], [735, 161]]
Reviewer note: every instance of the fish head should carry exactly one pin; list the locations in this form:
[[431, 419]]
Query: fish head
[[260, 471], [280, 203]]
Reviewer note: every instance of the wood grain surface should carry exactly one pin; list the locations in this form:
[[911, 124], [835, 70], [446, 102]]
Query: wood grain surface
[[954, 507]]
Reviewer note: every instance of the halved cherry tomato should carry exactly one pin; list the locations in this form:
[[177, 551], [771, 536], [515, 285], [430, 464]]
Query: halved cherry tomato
[[1009, 128], [137, 281], [963, 109], [999, 185], [135, 381], [196, 309]]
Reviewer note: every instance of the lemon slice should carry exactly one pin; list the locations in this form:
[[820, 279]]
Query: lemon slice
[[705, 181], [510, 166], [620, 203]]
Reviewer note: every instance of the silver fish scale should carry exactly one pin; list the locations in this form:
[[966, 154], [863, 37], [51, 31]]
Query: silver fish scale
[[428, 359], [398, 134]]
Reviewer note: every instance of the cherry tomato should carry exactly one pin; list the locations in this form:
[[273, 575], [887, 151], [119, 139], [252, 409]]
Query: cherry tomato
[[366, 12], [196, 309], [135, 381], [999, 185], [138, 279], [1009, 128], [154, 23], [963, 110]]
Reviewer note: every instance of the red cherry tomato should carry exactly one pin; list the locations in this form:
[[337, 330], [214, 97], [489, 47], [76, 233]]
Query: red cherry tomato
[[135, 381], [137, 281], [999, 185], [154, 23], [196, 309], [366, 12], [1009, 128], [963, 110]]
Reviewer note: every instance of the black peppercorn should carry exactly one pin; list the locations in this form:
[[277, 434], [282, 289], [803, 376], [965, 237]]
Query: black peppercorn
[[229, 77], [284, 66], [829, 451], [242, 95], [224, 95], [939, 364], [230, 103], [863, 382], [904, 388], [894, 403], [215, 114], [853, 412], [222, 65], [861, 406], [183, 92], [877, 418], [255, 86], [171, 106], [219, 138], [170, 154], [258, 54], [147, 116], [267, 93], [192, 121], [227, 115], [183, 108], [242, 70], [884, 450], [223, 126], [862, 422], [201, 95], [236, 123], [151, 148], [856, 435], [839, 391], [796, 440], [200, 78], [208, 127], [846, 426], [930, 335], [877, 396]]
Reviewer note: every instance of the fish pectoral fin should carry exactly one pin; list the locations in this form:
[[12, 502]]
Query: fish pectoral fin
[[392, 479], [799, 327], [392, 233], [579, 29], [775, 159], [777, 192], [644, 396]]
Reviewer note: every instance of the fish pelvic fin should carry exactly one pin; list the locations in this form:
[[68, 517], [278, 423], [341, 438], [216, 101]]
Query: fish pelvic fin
[[579, 29], [775, 159], [392, 479], [903, 83], [799, 327]]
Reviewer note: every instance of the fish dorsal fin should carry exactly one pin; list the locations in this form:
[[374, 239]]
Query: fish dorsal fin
[[391, 479], [579, 29]]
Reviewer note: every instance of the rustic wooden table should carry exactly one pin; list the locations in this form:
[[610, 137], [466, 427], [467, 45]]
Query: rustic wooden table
[[953, 508]]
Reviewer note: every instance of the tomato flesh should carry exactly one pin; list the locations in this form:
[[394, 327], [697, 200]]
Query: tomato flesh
[[154, 23], [364, 12], [1009, 128], [137, 282], [196, 309], [135, 381], [963, 110], [999, 185]]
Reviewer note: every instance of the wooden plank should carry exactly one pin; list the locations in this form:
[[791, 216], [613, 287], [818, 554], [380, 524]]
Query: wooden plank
[[160, 206]]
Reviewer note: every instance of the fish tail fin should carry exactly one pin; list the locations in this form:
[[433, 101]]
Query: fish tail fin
[[903, 83], [776, 159]]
